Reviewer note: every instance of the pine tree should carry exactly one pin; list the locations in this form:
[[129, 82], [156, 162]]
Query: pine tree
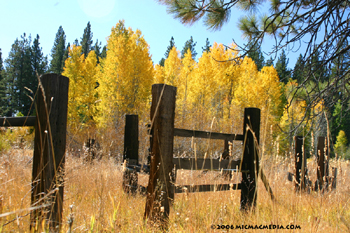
[[104, 52], [161, 62], [97, 49], [206, 47], [254, 52], [66, 53], [166, 54], [169, 48], [282, 67], [39, 61], [38, 67], [315, 67], [58, 51], [2, 88], [100, 54], [86, 40], [19, 77], [189, 45], [269, 62], [76, 42], [298, 71]]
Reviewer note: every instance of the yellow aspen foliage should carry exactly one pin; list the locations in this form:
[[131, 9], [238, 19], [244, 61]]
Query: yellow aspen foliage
[[260, 90], [172, 68], [257, 89], [226, 72], [293, 116], [186, 74], [159, 76], [294, 111], [212, 85], [126, 75], [81, 72], [340, 146], [202, 88]]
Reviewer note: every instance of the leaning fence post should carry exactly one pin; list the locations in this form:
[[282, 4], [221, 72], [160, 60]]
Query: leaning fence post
[[131, 152], [49, 151], [300, 163], [160, 190], [322, 164], [251, 135]]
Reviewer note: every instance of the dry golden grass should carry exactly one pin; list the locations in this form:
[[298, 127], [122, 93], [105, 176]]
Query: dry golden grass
[[95, 201]]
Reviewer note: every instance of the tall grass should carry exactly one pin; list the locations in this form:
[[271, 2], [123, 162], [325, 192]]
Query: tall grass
[[94, 200]]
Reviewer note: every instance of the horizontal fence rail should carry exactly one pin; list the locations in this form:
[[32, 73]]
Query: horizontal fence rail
[[205, 164], [206, 188], [17, 121], [206, 134]]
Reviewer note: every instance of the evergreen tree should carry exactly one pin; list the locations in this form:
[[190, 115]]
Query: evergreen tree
[[189, 45], [162, 61], [206, 47], [19, 77], [39, 61], [99, 53], [171, 45], [104, 52], [76, 42], [315, 67], [281, 67], [2, 87], [340, 119], [254, 52], [298, 72], [86, 40], [269, 62], [58, 51], [66, 53], [97, 49], [166, 54]]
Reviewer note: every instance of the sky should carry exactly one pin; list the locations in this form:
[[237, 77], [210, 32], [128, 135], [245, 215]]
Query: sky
[[44, 17]]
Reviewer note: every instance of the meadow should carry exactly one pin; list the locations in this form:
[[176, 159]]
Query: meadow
[[95, 202]]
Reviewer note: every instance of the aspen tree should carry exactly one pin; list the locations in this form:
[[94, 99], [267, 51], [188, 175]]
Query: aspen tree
[[126, 75], [82, 93]]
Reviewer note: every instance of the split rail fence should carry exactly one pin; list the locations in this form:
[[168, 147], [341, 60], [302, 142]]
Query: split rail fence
[[162, 170]]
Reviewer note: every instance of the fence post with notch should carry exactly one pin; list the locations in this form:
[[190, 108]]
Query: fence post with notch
[[251, 139], [49, 151], [131, 153], [160, 190]]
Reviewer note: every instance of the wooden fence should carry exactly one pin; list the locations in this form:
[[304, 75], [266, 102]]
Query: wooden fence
[[324, 181], [50, 125], [161, 187]]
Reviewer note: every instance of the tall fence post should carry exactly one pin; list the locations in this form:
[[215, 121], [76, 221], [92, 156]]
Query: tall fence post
[[322, 164], [49, 151], [251, 135], [300, 163], [160, 190], [131, 152]]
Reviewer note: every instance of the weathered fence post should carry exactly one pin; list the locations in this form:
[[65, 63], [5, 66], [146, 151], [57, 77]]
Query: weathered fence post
[[322, 164], [131, 152], [251, 135], [333, 179], [300, 164], [49, 151], [160, 190]]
